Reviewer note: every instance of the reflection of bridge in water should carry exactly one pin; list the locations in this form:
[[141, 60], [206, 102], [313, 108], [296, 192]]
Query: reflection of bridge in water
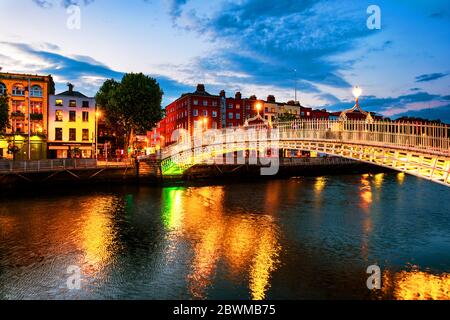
[[422, 150]]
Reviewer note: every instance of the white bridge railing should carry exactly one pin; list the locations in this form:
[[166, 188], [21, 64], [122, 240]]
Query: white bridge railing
[[428, 138]]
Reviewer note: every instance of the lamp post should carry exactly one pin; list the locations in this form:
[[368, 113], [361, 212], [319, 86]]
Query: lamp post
[[357, 91], [97, 115], [29, 119], [258, 107]]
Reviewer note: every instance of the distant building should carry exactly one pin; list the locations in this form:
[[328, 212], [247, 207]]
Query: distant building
[[194, 111], [26, 91], [71, 124]]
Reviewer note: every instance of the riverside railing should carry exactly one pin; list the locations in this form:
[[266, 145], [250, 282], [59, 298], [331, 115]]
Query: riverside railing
[[10, 166]]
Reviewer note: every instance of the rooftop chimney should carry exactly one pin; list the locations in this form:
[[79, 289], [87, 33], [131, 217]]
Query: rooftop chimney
[[271, 98], [238, 96], [201, 87], [222, 93], [70, 87]]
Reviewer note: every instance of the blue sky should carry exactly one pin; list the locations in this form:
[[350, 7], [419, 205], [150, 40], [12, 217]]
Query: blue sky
[[252, 46]]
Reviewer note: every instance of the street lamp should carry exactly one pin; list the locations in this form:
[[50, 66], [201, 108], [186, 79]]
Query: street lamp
[[258, 107], [98, 114]]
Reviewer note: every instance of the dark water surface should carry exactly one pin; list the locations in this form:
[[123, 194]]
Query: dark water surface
[[301, 238]]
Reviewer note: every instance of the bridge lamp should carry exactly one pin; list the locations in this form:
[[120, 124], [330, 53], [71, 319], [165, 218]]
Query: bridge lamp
[[357, 91], [258, 107]]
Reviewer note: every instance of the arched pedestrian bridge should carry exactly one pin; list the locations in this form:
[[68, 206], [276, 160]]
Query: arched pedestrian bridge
[[422, 150]]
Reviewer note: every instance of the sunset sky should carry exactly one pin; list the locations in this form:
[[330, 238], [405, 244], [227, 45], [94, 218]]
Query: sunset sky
[[252, 46]]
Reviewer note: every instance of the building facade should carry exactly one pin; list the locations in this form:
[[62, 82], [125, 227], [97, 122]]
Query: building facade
[[193, 112], [28, 109], [71, 125]]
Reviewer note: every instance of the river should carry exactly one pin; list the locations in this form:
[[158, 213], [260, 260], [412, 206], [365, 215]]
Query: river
[[297, 238]]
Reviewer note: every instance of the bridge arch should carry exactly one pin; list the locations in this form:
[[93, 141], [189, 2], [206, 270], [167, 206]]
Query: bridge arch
[[422, 150]]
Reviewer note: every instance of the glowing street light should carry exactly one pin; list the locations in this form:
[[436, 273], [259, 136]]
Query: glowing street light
[[357, 91], [98, 114], [258, 107]]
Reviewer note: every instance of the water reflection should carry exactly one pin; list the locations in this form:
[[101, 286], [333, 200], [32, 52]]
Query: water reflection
[[416, 285], [245, 243], [259, 240]]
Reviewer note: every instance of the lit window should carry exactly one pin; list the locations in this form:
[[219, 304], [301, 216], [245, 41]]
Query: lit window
[[59, 103], [238, 106], [58, 115], [195, 102], [36, 107], [73, 103], [36, 91], [18, 90]]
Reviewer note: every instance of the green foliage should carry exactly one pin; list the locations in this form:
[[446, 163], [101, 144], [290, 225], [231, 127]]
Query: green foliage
[[4, 113], [132, 105], [286, 117]]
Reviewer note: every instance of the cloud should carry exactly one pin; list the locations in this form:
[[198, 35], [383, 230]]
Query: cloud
[[395, 106], [175, 7], [85, 72], [65, 3], [439, 113], [267, 40], [430, 77]]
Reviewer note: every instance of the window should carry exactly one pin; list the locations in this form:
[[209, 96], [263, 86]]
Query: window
[[59, 103], [238, 106], [205, 113], [36, 91], [308, 113], [195, 102], [73, 103], [3, 90], [195, 124], [18, 106], [214, 114], [214, 103], [85, 135], [230, 115], [247, 107], [85, 104], [58, 134], [85, 116], [18, 90], [72, 116], [36, 107], [195, 112], [58, 115], [302, 113], [238, 116], [230, 106], [72, 134], [205, 103]]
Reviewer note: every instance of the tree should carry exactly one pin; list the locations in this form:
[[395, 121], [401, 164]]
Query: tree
[[132, 105], [286, 117], [4, 113]]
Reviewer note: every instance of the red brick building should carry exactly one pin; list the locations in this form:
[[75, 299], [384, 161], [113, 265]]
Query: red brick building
[[198, 110]]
